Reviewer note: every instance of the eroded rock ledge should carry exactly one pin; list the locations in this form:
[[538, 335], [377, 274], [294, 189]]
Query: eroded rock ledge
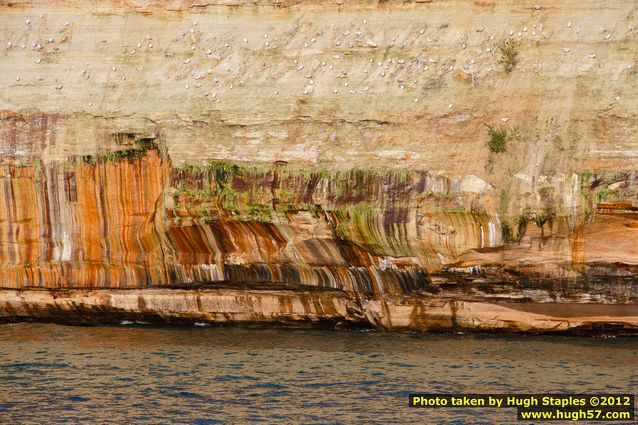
[[312, 307]]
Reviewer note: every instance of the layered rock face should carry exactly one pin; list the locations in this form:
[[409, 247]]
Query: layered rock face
[[361, 164]]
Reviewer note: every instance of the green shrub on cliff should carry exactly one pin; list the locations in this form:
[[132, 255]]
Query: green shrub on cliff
[[259, 212], [509, 53], [602, 195], [521, 221], [498, 138], [133, 154], [506, 232], [540, 219]]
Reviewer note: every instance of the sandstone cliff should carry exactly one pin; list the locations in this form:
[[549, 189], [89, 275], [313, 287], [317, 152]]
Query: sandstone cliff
[[321, 162]]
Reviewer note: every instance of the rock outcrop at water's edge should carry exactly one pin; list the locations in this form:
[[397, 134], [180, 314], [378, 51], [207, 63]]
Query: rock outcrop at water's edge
[[319, 164], [310, 307]]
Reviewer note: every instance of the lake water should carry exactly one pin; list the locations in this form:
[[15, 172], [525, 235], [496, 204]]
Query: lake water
[[144, 374]]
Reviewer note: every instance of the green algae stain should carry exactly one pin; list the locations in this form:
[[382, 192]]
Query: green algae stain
[[136, 153], [260, 213], [355, 201], [359, 223]]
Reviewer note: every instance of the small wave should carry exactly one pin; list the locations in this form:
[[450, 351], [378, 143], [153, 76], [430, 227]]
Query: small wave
[[136, 322], [605, 336], [77, 398], [201, 324]]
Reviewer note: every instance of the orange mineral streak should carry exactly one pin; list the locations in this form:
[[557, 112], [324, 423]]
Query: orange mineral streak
[[81, 226], [104, 225], [81, 229]]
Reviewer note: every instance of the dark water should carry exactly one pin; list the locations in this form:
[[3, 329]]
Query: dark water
[[138, 374]]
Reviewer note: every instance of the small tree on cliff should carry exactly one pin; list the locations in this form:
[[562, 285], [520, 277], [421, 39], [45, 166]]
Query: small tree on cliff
[[498, 138], [509, 54]]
